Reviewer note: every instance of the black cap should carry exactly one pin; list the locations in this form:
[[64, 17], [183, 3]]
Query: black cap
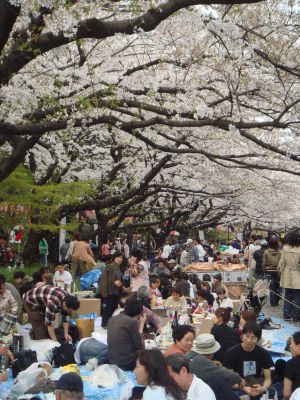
[[71, 382]]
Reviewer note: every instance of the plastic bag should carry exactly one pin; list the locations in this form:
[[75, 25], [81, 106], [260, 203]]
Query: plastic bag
[[29, 378], [126, 391], [107, 376], [87, 280], [43, 349]]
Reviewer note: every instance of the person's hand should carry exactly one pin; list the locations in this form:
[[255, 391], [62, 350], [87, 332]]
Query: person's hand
[[68, 338], [118, 283], [142, 319], [248, 390], [258, 389]]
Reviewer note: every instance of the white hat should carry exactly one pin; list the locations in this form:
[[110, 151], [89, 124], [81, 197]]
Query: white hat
[[172, 261], [205, 343], [189, 241]]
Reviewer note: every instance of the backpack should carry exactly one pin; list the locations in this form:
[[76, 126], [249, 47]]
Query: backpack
[[63, 355], [23, 360], [258, 257]]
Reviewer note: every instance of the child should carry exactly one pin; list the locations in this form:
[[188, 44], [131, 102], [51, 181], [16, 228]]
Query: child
[[291, 373]]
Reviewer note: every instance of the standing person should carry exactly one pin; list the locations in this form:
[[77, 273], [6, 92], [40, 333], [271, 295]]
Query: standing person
[[7, 302], [105, 248], [138, 270], [82, 257], [110, 287], [43, 251], [167, 250], [63, 251], [62, 279], [271, 258], [151, 371], [125, 248], [291, 373], [42, 304], [288, 269], [251, 361]]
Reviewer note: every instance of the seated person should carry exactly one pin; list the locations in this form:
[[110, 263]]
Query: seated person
[[62, 279], [291, 373], [152, 320], [224, 334], [219, 378], [165, 285], [251, 361], [154, 292], [183, 336], [203, 295], [195, 388], [8, 304], [124, 335], [176, 302], [222, 300]]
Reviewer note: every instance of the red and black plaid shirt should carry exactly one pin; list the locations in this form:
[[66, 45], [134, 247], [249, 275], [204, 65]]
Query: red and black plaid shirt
[[47, 299]]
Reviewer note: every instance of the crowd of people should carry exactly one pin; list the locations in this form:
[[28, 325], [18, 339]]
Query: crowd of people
[[227, 363]]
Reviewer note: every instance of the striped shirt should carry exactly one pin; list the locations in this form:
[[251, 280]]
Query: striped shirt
[[47, 299]]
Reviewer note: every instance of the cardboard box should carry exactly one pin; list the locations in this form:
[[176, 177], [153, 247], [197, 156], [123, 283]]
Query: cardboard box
[[88, 306], [204, 326]]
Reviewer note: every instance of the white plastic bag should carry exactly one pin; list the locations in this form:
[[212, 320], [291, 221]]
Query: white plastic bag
[[126, 391], [107, 376]]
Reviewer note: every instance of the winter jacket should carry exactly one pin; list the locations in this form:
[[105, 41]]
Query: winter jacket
[[270, 260], [289, 267]]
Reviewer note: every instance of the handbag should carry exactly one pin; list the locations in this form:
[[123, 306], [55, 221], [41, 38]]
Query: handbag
[[63, 355], [23, 360]]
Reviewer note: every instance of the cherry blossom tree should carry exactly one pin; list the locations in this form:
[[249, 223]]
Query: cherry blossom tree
[[193, 103]]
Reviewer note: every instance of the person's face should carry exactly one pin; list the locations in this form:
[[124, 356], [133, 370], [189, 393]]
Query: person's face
[[186, 343], [294, 348], [154, 285], [171, 265], [60, 269], [179, 378], [242, 321], [175, 296], [249, 341], [118, 260], [141, 374], [18, 281], [160, 265], [222, 296]]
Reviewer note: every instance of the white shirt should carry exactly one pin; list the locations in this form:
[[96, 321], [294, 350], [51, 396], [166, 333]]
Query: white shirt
[[200, 390], [295, 395], [201, 252], [226, 303], [156, 393], [60, 280], [167, 249]]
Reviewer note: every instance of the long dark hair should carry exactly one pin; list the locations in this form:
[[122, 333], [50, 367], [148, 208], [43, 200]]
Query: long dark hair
[[156, 367]]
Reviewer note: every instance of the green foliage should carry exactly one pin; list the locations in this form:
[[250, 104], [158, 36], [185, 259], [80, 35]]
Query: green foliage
[[9, 273], [44, 201]]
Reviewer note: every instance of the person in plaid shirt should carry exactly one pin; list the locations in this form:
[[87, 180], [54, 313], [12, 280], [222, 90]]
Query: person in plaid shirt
[[42, 304]]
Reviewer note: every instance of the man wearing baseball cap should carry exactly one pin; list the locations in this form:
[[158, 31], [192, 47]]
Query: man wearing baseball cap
[[69, 387]]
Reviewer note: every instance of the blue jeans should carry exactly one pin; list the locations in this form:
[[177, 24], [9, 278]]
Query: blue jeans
[[273, 279], [91, 348], [289, 310]]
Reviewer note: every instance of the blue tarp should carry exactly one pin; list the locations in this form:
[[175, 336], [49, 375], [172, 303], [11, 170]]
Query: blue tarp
[[89, 278]]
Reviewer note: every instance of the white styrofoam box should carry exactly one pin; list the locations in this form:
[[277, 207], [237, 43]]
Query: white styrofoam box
[[211, 273], [235, 276]]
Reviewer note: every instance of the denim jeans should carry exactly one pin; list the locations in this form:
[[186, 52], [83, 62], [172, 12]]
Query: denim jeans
[[91, 348], [289, 310], [273, 279]]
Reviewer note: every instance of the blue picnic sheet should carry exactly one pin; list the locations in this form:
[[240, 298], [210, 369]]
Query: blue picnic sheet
[[90, 392]]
